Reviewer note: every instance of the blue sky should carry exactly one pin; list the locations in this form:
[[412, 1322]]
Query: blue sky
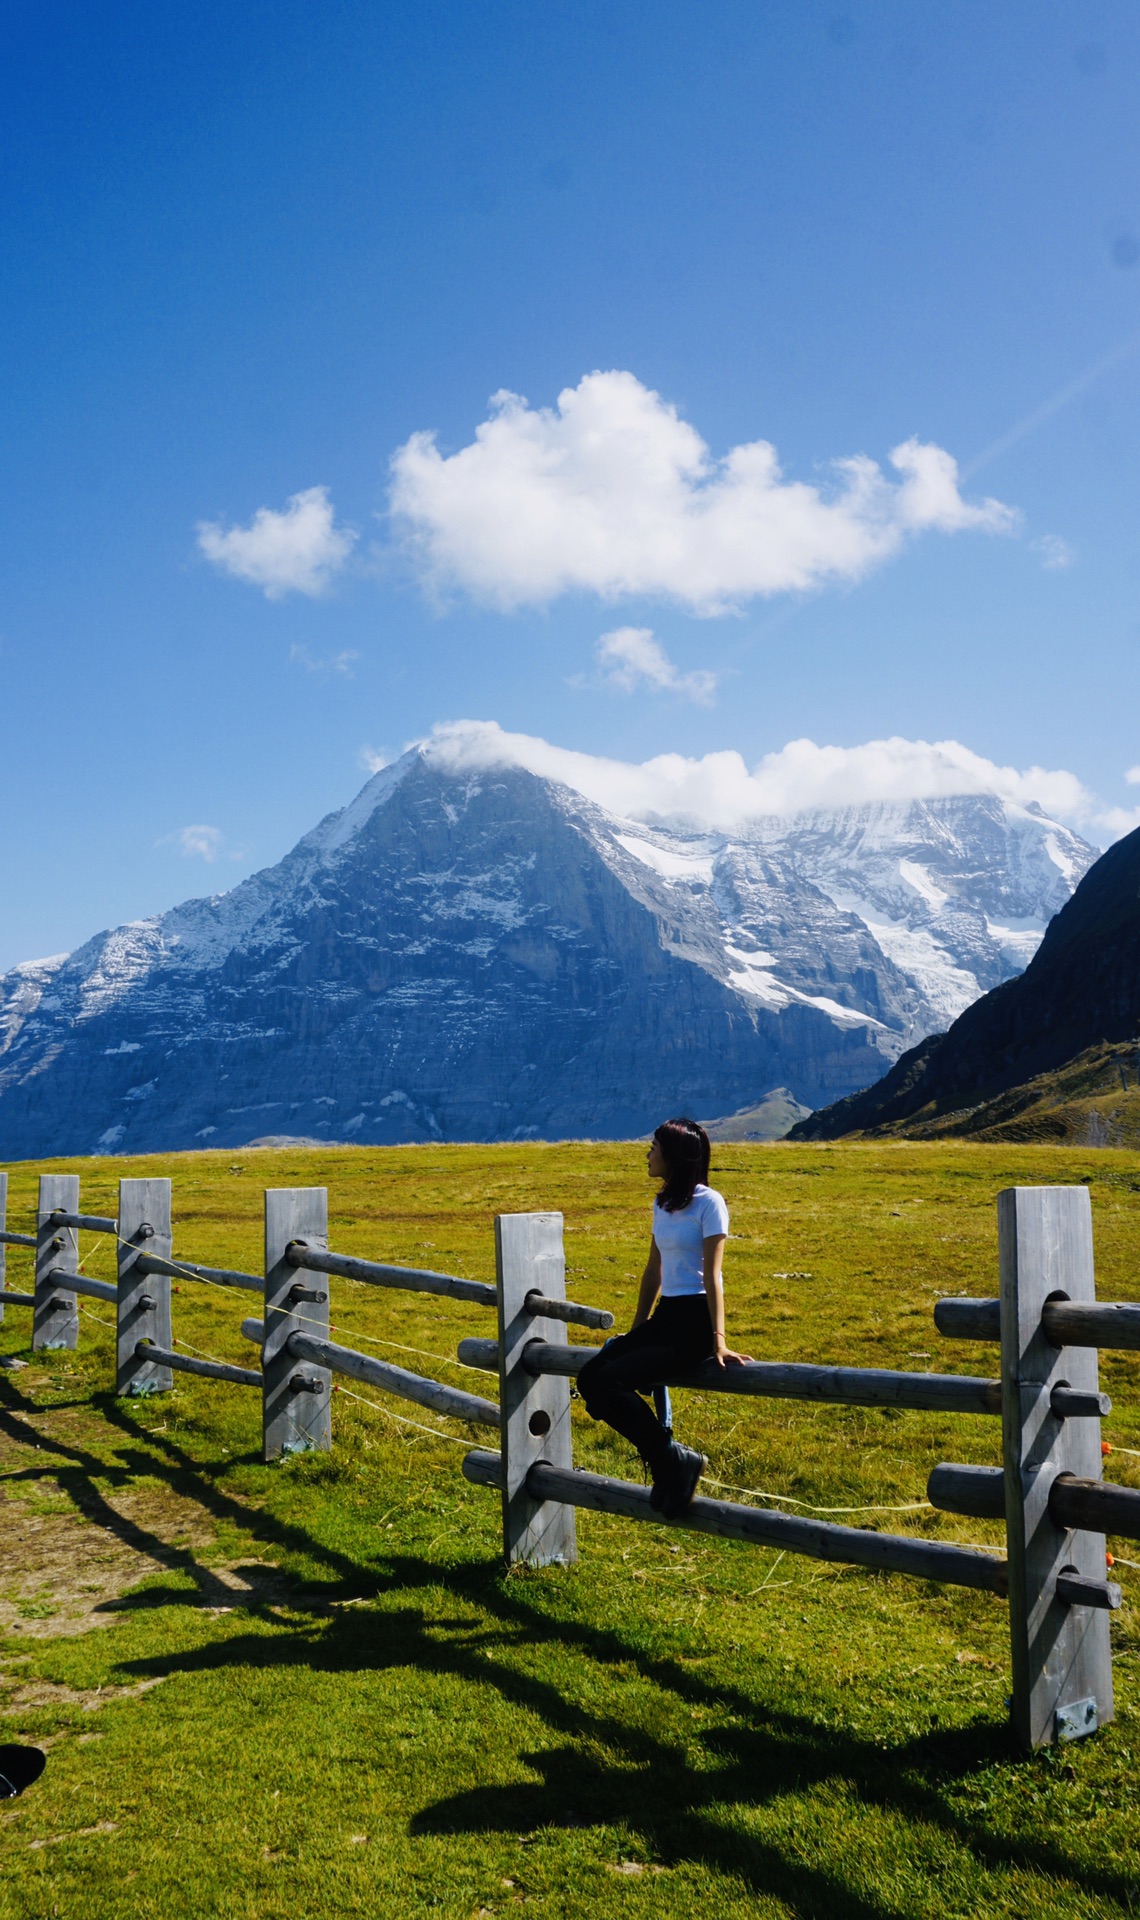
[[251, 251]]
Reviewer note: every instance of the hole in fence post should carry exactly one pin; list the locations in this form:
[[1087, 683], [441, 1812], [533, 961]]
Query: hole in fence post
[[539, 1423]]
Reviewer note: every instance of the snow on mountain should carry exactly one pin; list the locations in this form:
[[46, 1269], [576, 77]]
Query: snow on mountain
[[473, 950]]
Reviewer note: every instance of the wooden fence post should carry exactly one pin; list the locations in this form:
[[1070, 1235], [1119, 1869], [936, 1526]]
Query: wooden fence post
[[143, 1310], [535, 1411], [55, 1316], [1062, 1661], [297, 1395]]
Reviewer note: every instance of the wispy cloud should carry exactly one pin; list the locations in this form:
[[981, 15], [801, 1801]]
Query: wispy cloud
[[374, 760], [294, 551], [197, 843], [720, 790], [341, 663], [632, 658], [612, 493], [201, 843], [1056, 553]]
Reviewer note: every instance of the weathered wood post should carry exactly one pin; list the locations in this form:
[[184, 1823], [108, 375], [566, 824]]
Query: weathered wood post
[[55, 1316], [143, 1309], [1062, 1662], [535, 1411], [297, 1396]]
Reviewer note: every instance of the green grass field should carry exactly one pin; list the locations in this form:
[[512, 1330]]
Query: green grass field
[[310, 1691]]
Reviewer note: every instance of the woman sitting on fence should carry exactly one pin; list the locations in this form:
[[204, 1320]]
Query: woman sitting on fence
[[690, 1226]]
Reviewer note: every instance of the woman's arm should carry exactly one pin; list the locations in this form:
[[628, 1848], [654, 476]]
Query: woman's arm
[[650, 1286], [714, 1293]]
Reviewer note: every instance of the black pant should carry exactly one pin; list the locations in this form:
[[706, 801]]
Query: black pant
[[675, 1339]]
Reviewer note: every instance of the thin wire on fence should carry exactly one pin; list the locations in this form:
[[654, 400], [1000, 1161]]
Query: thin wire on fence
[[188, 1273], [762, 1493], [404, 1421]]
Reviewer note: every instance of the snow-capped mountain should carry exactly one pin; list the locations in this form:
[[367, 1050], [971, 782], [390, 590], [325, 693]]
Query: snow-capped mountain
[[484, 953]]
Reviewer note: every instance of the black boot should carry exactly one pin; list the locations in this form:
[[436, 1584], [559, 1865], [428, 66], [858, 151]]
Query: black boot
[[676, 1481]]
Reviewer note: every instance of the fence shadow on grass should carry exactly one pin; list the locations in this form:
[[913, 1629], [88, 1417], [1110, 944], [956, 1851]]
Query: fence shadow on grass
[[681, 1811]]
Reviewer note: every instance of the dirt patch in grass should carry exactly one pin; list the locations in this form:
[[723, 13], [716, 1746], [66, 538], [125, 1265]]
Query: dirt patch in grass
[[77, 1535], [59, 1570]]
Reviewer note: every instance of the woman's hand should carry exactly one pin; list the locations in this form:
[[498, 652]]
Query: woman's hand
[[724, 1356]]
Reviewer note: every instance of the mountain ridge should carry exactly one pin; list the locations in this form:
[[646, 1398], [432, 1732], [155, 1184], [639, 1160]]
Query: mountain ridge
[[482, 952]]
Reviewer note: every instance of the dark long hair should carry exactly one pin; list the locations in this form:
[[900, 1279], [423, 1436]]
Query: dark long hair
[[685, 1149]]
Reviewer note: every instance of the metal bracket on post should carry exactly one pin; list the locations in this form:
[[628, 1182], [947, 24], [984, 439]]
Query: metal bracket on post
[[55, 1316], [1062, 1660], [143, 1310], [297, 1399], [535, 1410]]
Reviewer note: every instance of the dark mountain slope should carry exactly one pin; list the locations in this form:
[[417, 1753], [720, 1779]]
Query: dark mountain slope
[[1081, 989]]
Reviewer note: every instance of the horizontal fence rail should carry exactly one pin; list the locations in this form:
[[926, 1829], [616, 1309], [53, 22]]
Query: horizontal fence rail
[[79, 1283], [1067, 1323], [1095, 1323], [205, 1369], [8, 1299], [778, 1380], [17, 1239], [819, 1539], [153, 1263], [376, 1273], [1096, 1506], [384, 1375], [568, 1311], [89, 1222]]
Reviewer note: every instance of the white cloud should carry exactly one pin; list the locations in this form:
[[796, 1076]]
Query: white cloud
[[201, 843], [612, 493], [342, 662], [296, 551], [720, 791], [1115, 822], [197, 843], [1056, 553], [373, 761], [631, 657], [1133, 776]]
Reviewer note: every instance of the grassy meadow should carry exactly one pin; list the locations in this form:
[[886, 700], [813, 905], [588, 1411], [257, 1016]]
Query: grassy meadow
[[310, 1691]]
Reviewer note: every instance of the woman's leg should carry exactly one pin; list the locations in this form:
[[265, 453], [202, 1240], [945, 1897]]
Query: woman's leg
[[677, 1336], [612, 1383]]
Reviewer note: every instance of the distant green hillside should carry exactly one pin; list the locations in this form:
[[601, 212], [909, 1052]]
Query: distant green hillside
[[1092, 1101], [770, 1119]]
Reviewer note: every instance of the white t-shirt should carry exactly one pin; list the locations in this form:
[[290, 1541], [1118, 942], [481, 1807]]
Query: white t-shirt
[[681, 1240]]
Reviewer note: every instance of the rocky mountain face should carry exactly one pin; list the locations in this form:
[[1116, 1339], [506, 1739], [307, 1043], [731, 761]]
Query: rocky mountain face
[[1080, 991], [474, 955]]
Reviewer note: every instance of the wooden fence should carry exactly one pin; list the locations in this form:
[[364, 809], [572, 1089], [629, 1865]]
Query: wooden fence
[[1049, 1324]]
